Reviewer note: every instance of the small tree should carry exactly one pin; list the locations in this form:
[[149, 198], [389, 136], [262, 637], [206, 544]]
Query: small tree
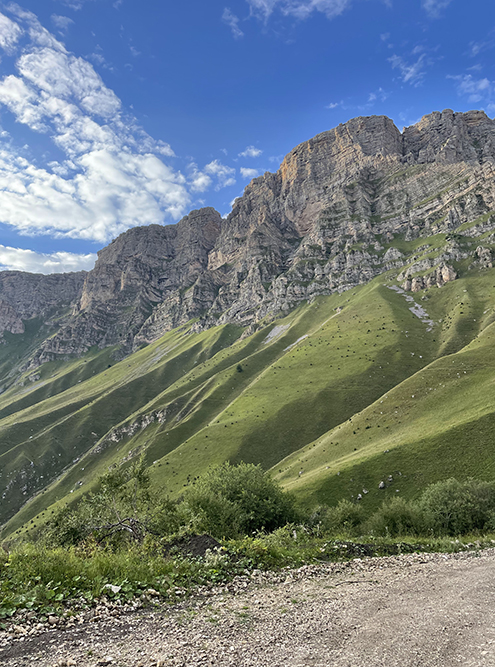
[[122, 508]]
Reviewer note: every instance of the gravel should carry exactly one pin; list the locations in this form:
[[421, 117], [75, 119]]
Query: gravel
[[427, 610]]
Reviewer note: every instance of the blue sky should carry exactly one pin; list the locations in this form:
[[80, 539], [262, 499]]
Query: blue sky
[[116, 113]]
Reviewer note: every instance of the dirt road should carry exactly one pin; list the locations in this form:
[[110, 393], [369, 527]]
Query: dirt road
[[412, 610]]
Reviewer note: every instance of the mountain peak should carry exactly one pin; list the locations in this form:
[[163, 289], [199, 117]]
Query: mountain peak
[[321, 223]]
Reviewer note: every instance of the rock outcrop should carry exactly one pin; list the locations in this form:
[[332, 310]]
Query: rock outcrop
[[326, 221], [27, 295], [9, 319], [443, 274]]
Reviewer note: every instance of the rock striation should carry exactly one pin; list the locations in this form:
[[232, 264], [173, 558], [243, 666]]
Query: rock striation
[[344, 207], [24, 296]]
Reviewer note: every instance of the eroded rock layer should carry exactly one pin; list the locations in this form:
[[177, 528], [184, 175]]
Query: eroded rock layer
[[329, 219]]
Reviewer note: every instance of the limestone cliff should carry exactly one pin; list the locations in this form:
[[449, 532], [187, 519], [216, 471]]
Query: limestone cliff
[[329, 219], [24, 296]]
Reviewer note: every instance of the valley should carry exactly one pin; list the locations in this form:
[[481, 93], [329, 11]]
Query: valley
[[336, 328]]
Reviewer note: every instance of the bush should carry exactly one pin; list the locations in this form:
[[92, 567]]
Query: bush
[[452, 507], [346, 517], [123, 508], [396, 517], [228, 501]]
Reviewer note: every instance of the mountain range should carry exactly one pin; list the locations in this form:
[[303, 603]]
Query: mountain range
[[336, 327]]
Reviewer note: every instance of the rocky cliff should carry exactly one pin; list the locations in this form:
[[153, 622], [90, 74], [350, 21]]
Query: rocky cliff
[[344, 207], [24, 296]]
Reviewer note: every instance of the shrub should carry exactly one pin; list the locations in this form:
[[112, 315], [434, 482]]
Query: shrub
[[122, 508], [396, 517], [228, 501], [345, 517], [452, 507]]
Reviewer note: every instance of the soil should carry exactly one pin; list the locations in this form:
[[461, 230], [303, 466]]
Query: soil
[[193, 545], [428, 610]]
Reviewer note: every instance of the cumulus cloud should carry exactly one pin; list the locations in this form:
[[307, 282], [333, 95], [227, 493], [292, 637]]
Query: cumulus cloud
[[198, 180], [224, 175], [18, 259], [476, 90], [248, 173], [111, 175], [10, 33], [251, 151], [434, 8], [232, 21]]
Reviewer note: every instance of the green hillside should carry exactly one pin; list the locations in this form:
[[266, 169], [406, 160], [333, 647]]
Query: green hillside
[[336, 397]]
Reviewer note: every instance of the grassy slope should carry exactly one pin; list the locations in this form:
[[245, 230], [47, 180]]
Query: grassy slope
[[56, 432], [440, 422], [184, 402]]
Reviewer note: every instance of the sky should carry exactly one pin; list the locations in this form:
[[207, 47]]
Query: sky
[[118, 113]]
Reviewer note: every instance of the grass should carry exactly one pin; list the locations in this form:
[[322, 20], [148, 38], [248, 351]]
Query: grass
[[437, 423], [329, 394], [64, 582]]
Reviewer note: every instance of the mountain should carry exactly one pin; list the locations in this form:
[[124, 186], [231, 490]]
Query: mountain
[[373, 248]]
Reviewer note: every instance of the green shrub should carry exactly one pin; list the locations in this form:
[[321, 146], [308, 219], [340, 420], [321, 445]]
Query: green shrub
[[453, 508], [346, 517], [228, 501], [396, 517], [122, 509]]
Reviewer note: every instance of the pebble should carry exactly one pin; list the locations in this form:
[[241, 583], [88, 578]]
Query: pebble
[[190, 632]]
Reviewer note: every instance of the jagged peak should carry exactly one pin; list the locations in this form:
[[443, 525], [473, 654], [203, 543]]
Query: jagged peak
[[151, 239]]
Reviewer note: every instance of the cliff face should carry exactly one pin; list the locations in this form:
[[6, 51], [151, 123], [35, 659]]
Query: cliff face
[[27, 295], [326, 221]]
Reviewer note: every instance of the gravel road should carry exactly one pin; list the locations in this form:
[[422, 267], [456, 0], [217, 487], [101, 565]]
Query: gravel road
[[416, 610]]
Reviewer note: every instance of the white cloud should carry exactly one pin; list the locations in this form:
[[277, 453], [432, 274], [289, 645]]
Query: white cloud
[[10, 33], [301, 9], [232, 21], [98, 57], [333, 105], [251, 151], [61, 22], [225, 175], [73, 4], [111, 176], [412, 73], [198, 180], [475, 48], [435, 7], [262, 8], [379, 95], [109, 193], [18, 259], [476, 90], [248, 173], [64, 76]]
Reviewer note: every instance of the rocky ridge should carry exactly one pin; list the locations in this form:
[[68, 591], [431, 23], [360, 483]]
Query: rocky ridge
[[332, 217]]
